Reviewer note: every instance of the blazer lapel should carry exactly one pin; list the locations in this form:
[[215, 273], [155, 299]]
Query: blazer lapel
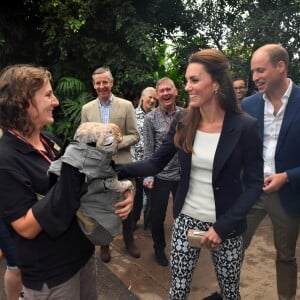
[[228, 139], [257, 112], [256, 108], [292, 108], [114, 108], [95, 112], [260, 117]]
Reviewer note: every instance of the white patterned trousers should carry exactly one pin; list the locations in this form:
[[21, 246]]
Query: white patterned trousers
[[227, 261]]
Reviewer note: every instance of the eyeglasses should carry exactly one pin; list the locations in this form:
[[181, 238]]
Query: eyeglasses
[[239, 88]]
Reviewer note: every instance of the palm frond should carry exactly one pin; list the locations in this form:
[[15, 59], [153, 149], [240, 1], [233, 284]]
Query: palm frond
[[68, 87]]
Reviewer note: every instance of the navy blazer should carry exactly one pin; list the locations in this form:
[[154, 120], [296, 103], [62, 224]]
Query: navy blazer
[[238, 159], [287, 154]]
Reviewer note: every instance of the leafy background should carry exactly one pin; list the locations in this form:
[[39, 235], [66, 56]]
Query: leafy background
[[139, 40]]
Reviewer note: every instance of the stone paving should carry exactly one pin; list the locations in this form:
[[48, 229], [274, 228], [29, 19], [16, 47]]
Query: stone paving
[[149, 281], [123, 277]]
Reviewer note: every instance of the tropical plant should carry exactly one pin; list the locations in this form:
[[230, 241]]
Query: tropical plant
[[74, 37], [239, 27], [72, 95]]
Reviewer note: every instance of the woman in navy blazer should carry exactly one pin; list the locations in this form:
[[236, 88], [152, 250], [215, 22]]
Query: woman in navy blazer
[[222, 174]]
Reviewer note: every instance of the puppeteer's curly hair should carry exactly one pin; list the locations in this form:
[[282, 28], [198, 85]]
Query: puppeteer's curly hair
[[18, 85]]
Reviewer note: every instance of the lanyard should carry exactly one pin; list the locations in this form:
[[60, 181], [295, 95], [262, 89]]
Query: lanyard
[[44, 142]]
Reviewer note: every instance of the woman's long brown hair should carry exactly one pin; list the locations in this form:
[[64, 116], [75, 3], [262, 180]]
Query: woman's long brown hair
[[216, 64]]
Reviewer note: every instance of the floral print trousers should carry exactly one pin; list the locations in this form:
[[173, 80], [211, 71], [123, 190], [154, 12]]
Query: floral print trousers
[[227, 260]]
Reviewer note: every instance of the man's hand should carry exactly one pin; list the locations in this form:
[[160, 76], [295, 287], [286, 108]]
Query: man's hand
[[274, 182], [125, 206]]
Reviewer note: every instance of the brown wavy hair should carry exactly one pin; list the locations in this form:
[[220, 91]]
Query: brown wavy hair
[[217, 65], [18, 85]]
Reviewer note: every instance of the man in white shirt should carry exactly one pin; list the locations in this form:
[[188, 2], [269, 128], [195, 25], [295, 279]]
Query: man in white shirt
[[277, 107]]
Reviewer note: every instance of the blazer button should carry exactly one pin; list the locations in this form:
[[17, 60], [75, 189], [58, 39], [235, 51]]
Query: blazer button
[[217, 188]]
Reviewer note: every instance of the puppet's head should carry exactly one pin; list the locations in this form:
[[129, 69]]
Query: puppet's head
[[103, 136]]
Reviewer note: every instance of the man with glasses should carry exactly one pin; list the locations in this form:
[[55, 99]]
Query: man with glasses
[[240, 88]]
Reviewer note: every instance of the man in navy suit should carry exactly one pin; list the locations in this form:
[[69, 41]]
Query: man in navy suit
[[277, 108]]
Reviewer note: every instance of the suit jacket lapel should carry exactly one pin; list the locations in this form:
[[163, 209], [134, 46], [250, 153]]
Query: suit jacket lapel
[[114, 108], [292, 108], [95, 112], [260, 117], [227, 142], [256, 108], [258, 113]]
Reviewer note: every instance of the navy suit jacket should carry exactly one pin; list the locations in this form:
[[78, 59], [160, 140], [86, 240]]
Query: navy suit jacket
[[287, 154], [237, 159]]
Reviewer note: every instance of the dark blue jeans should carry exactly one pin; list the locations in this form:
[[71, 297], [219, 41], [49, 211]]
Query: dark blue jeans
[[159, 198], [7, 244]]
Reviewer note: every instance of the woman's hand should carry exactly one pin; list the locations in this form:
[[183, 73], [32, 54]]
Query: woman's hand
[[125, 206], [211, 239]]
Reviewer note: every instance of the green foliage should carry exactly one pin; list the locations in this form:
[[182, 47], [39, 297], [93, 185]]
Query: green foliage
[[19, 37], [68, 87], [76, 37], [73, 95], [62, 21], [173, 57], [240, 27], [139, 40]]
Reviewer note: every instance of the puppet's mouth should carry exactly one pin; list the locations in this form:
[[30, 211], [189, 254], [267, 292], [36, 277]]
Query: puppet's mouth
[[92, 144]]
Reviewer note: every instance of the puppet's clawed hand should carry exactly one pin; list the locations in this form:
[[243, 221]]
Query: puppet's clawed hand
[[118, 186]]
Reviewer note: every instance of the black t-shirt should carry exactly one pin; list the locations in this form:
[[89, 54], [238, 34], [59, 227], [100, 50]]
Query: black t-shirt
[[60, 249]]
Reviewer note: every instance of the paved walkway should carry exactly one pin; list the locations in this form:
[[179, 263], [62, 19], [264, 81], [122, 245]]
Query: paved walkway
[[110, 286], [126, 278], [149, 281]]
